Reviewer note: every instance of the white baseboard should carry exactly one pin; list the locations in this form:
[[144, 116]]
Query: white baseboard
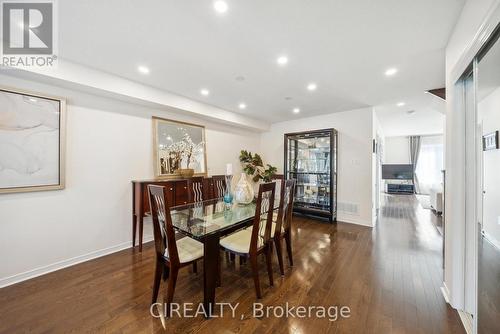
[[67, 263], [446, 293], [345, 219], [466, 321], [465, 317], [494, 242]]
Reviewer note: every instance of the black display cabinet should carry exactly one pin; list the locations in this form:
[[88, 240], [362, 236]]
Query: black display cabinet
[[311, 159]]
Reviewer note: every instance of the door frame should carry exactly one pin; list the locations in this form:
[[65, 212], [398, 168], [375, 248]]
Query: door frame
[[467, 85]]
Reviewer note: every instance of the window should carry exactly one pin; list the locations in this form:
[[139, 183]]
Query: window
[[430, 163]]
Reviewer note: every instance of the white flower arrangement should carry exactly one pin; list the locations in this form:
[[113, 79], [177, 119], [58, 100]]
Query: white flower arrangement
[[184, 150]]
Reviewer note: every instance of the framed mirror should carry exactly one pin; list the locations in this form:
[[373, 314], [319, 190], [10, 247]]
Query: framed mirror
[[179, 149]]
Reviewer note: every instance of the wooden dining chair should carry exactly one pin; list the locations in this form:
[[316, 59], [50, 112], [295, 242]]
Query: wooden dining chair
[[171, 254], [281, 228], [219, 186], [251, 242], [196, 189]]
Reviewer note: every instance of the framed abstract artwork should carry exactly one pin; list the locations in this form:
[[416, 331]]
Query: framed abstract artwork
[[32, 142], [178, 147]]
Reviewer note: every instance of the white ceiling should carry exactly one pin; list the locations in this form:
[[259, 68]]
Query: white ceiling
[[343, 45], [427, 119]]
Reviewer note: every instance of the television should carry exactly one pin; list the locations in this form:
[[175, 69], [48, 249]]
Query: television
[[397, 172]]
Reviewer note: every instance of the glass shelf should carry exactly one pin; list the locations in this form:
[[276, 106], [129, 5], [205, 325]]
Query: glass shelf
[[314, 173]]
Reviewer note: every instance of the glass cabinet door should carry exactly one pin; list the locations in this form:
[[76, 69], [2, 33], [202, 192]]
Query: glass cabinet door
[[309, 163]]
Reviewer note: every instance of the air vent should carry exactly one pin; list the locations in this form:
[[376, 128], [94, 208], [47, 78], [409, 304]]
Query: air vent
[[348, 208]]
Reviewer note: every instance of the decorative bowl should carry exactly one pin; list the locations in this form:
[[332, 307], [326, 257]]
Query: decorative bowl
[[186, 172]]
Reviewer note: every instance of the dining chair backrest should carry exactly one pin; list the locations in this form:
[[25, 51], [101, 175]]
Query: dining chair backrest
[[285, 207], [261, 232], [163, 230], [219, 182], [279, 179], [195, 189]]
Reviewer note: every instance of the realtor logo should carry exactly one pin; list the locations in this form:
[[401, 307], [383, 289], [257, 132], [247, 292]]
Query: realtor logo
[[28, 32]]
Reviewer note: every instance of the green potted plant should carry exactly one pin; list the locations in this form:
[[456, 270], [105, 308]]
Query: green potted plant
[[253, 166]]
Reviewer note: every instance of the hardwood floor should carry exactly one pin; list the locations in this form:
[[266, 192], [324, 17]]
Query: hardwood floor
[[389, 277]]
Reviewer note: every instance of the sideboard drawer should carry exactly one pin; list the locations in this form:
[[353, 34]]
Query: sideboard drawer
[[181, 192]]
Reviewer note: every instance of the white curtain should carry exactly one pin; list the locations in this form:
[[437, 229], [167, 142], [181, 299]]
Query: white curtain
[[430, 163]]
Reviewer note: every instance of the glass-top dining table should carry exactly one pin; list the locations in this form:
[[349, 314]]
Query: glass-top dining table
[[208, 221]]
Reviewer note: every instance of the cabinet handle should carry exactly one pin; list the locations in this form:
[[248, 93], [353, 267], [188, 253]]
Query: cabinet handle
[[171, 189]]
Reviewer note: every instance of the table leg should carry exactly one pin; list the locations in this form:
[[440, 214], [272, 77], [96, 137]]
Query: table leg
[[210, 272]]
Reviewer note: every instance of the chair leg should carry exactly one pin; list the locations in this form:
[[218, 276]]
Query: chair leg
[[171, 288], [269, 260], [279, 254], [255, 272], [195, 268], [157, 280], [288, 241], [166, 272]]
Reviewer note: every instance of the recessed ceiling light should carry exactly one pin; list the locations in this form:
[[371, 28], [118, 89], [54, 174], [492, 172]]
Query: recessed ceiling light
[[282, 60], [143, 69], [401, 104], [220, 6], [296, 110], [391, 71], [312, 86], [242, 106], [205, 92]]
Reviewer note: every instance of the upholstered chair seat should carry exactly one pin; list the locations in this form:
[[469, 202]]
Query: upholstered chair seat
[[188, 250]]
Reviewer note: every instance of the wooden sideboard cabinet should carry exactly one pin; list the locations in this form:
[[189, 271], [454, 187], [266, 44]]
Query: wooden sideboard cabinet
[[177, 195]]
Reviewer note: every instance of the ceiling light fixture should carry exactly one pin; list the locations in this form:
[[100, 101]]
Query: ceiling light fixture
[[401, 104], [220, 6], [391, 71], [143, 69], [205, 92], [296, 110], [242, 106], [282, 60], [312, 86]]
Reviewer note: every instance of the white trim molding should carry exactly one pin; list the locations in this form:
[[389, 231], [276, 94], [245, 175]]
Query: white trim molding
[[481, 37], [491, 239], [467, 321]]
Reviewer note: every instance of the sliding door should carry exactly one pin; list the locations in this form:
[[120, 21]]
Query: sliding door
[[488, 194]]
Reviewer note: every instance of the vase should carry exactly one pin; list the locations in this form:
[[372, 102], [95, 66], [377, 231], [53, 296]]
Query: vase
[[243, 193], [186, 172], [228, 196]]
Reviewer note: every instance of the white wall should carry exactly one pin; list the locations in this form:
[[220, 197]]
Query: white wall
[[109, 143], [397, 150], [354, 156], [473, 16], [489, 114]]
